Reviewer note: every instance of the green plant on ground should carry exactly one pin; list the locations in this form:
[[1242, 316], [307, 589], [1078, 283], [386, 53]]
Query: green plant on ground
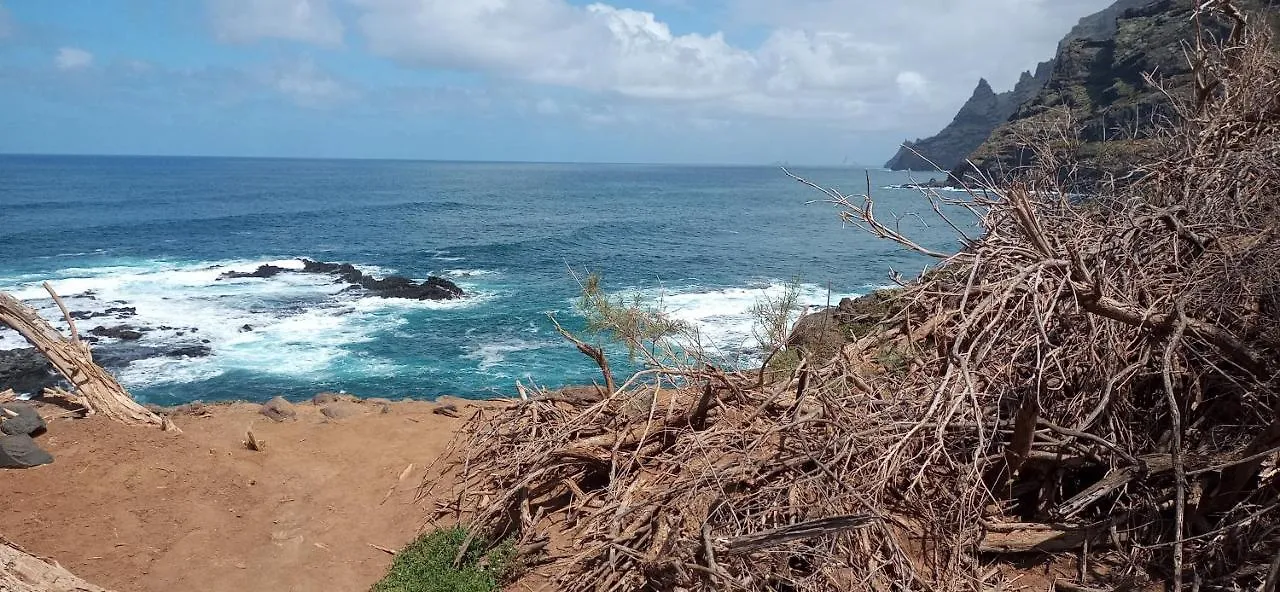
[[427, 565], [774, 316]]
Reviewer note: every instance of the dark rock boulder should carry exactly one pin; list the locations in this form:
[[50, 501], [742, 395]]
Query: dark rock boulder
[[26, 371], [20, 419], [21, 452], [119, 312], [190, 351], [278, 409], [346, 272], [435, 288], [263, 271], [123, 332]]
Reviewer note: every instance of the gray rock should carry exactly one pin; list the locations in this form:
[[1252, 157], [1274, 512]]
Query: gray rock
[[342, 410], [279, 409], [21, 452], [26, 371], [27, 423]]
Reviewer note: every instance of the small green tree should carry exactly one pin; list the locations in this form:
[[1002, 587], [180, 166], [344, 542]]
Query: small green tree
[[642, 326], [774, 316]]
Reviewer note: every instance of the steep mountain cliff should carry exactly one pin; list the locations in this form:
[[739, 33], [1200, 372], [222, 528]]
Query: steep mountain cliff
[[980, 114], [1097, 89]]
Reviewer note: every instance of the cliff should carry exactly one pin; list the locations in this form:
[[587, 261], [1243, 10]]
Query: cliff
[[1097, 88], [971, 126]]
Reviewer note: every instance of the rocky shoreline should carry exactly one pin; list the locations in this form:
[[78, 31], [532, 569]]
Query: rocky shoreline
[[392, 286], [119, 343]]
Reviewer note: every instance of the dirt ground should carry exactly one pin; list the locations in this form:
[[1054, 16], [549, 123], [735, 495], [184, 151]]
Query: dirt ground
[[136, 509]]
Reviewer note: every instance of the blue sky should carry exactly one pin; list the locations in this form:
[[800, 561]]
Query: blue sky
[[714, 81]]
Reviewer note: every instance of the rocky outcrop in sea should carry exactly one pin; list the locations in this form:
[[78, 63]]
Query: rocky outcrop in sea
[[392, 286]]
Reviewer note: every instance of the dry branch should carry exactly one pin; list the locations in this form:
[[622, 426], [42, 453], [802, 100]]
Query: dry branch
[[1146, 318]]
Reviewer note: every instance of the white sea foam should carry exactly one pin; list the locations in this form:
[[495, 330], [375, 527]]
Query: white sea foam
[[469, 272], [297, 325], [722, 317], [495, 353]]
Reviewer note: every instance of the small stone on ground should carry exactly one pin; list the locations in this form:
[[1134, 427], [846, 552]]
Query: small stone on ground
[[21, 452], [342, 410], [278, 409], [27, 423]]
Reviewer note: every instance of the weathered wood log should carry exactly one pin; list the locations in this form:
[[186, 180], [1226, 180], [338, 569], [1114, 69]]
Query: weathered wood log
[[1043, 538], [812, 529], [73, 359], [21, 572]]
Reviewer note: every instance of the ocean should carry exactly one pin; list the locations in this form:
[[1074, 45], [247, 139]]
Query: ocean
[[153, 234]]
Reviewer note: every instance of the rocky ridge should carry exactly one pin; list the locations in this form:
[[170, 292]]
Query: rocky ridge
[[1097, 88], [984, 110]]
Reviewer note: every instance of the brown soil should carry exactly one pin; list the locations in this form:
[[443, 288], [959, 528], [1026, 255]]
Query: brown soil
[[136, 509]]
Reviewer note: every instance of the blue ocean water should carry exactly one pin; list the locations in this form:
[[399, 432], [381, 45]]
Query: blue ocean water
[[154, 234]]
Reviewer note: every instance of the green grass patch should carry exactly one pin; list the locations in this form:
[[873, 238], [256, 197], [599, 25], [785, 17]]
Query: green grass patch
[[426, 565]]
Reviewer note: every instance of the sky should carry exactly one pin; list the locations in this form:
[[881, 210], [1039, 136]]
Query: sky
[[664, 81]]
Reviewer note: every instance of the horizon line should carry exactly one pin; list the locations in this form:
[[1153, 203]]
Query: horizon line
[[439, 160]]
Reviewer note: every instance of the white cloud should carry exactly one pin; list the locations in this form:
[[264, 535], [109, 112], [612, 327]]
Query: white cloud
[[307, 85], [843, 61], [308, 21], [632, 53], [72, 58], [912, 84]]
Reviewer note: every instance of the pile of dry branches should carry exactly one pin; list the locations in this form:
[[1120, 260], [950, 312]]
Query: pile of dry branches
[[1092, 382]]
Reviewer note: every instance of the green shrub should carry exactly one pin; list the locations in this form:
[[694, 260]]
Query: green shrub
[[426, 565]]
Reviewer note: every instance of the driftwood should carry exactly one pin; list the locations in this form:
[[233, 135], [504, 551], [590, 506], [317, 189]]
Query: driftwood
[[21, 572], [72, 358]]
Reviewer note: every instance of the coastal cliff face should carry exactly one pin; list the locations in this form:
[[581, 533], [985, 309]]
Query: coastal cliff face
[[972, 125], [1097, 90]]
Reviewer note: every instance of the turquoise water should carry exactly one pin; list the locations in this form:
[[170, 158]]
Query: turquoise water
[[155, 233]]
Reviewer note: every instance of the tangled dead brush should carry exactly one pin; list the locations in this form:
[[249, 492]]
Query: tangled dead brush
[[1090, 385]]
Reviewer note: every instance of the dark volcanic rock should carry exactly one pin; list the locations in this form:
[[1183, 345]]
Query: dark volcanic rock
[[190, 351], [263, 271], [21, 452], [121, 312], [435, 288], [27, 422], [123, 332], [26, 371]]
